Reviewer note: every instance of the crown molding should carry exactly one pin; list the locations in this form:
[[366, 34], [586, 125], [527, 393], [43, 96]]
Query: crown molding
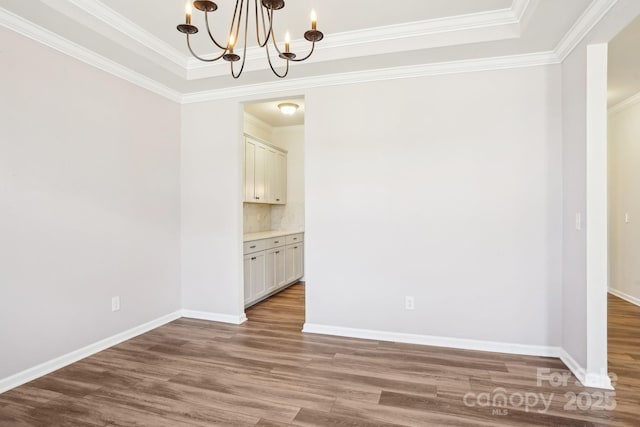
[[589, 19], [131, 30], [623, 105], [48, 38], [124, 32], [453, 67], [519, 8], [501, 24]]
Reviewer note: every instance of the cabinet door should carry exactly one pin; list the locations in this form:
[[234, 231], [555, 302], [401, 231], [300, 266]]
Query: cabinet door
[[249, 171], [254, 276], [281, 278], [280, 178], [257, 275], [271, 270], [298, 261], [247, 278], [289, 263], [271, 172], [260, 191]]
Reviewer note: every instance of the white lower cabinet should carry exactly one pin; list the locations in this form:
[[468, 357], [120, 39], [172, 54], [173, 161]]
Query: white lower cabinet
[[275, 269], [272, 264], [294, 263], [255, 274]]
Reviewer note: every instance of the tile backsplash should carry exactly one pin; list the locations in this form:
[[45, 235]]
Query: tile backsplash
[[256, 218]]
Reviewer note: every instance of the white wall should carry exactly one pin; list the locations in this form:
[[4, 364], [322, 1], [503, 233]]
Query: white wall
[[624, 198], [211, 216], [257, 128], [574, 96], [446, 189], [89, 204], [291, 215]]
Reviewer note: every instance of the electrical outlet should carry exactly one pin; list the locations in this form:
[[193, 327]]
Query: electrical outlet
[[578, 221], [115, 304], [409, 303]]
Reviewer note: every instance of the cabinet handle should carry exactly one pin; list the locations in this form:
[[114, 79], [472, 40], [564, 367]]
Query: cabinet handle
[[252, 247], [257, 198], [253, 259], [295, 247], [277, 200], [277, 252], [277, 241]]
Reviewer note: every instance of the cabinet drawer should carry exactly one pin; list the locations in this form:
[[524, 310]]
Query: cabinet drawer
[[254, 246], [276, 242], [295, 238]]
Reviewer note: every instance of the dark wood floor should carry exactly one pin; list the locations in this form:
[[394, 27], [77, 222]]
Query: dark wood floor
[[267, 373]]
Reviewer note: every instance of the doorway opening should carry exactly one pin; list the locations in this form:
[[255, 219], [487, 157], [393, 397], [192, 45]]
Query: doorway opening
[[273, 198], [623, 174]]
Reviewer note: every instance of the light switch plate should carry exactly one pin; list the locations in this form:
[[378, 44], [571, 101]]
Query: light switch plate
[[578, 221]]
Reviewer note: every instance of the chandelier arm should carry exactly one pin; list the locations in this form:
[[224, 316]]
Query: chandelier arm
[[199, 57], [246, 33], [240, 22], [266, 33], [273, 39], [233, 20], [313, 46], [206, 19], [282, 76]]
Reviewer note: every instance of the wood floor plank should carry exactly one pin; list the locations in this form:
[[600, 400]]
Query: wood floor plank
[[267, 373], [310, 417]]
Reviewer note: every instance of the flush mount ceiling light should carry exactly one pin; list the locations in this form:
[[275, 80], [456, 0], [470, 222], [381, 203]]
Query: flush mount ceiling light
[[288, 108], [263, 14]]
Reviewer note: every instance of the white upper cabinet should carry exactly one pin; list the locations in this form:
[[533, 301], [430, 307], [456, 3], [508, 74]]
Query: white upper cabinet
[[265, 173], [249, 170], [281, 178]]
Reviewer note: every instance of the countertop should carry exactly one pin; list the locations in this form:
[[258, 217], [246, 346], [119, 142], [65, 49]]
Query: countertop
[[248, 237]]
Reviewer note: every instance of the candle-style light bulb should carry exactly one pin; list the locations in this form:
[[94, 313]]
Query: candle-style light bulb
[[287, 42], [187, 10], [314, 19], [232, 41]]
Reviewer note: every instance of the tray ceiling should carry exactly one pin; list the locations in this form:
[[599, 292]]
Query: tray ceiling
[[362, 38]]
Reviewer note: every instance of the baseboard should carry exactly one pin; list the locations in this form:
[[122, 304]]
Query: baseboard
[[215, 317], [588, 379], [624, 296], [60, 362], [464, 344]]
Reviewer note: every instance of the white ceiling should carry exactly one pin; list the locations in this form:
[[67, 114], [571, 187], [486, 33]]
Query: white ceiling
[[268, 112], [334, 16], [138, 39]]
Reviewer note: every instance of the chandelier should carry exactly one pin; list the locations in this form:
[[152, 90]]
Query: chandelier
[[264, 14]]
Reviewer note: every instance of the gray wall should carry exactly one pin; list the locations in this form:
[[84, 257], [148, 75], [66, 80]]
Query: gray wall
[[89, 204]]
